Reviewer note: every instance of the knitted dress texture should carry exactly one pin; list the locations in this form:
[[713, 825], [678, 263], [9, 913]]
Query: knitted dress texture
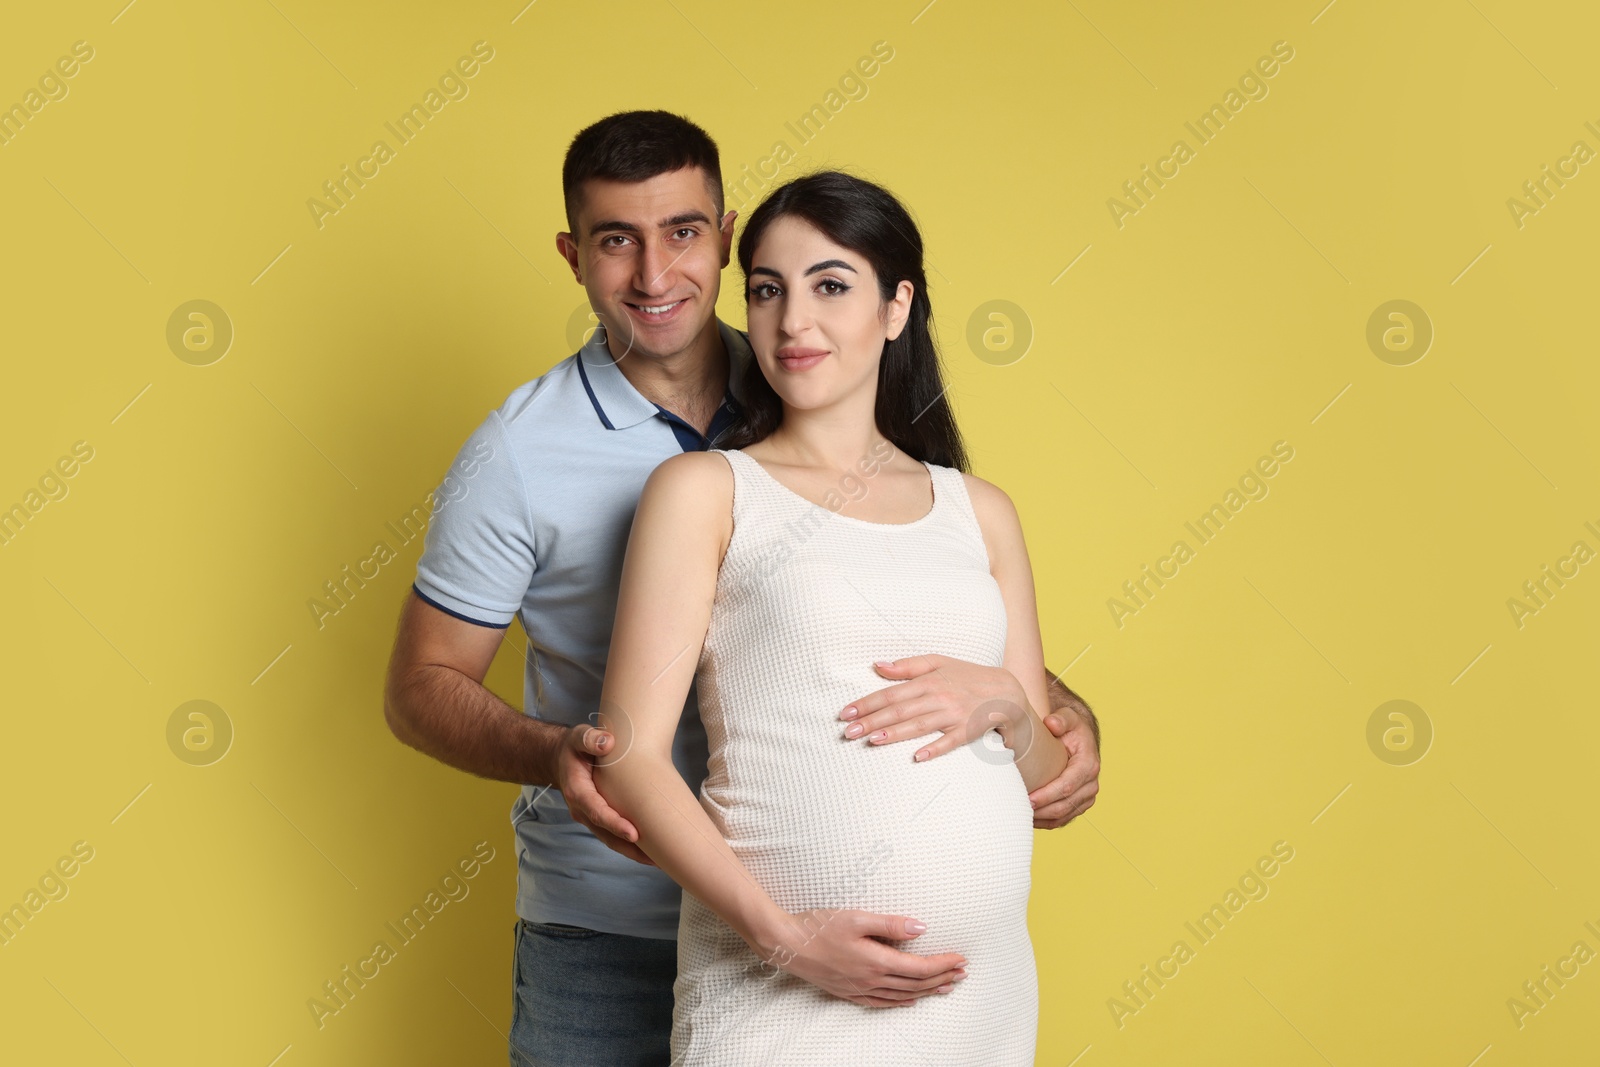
[[806, 600]]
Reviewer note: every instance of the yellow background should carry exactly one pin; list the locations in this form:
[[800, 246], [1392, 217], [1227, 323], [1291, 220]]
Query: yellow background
[[1229, 313]]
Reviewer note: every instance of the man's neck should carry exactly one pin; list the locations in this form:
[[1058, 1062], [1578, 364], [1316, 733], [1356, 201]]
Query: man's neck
[[689, 383]]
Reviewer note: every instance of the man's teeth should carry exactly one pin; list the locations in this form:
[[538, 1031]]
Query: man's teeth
[[659, 308]]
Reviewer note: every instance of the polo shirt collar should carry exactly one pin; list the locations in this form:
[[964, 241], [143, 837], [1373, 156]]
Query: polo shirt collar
[[620, 405]]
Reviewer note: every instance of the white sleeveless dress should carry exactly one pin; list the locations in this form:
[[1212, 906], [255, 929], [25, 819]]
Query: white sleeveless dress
[[806, 600]]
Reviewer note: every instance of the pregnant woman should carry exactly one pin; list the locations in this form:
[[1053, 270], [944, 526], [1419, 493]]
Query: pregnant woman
[[839, 530]]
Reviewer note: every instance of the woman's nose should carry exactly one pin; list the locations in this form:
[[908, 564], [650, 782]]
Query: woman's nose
[[796, 317]]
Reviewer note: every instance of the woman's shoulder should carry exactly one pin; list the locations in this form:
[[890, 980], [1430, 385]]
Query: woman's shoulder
[[997, 518], [988, 499], [693, 475], [686, 499]]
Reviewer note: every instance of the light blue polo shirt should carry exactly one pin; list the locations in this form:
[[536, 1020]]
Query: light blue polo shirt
[[532, 523]]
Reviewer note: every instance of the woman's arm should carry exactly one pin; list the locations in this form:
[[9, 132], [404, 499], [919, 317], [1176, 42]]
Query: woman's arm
[[1040, 758], [669, 579]]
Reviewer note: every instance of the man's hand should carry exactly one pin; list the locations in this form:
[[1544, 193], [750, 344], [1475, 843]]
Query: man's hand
[[838, 951], [575, 779], [1059, 802], [939, 693]]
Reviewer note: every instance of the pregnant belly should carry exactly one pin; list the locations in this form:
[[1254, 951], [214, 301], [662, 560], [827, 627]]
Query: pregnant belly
[[840, 824]]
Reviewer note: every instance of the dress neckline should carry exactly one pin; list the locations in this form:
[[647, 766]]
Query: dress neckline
[[933, 509]]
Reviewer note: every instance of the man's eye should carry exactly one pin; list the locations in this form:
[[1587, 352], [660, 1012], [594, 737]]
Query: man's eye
[[605, 242], [687, 230]]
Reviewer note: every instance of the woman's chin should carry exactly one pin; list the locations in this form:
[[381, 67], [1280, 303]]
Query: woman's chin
[[798, 400]]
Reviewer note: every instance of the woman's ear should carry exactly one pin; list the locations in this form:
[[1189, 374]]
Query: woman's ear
[[900, 308]]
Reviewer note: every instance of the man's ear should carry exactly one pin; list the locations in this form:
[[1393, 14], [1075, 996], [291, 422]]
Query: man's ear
[[569, 252], [727, 236]]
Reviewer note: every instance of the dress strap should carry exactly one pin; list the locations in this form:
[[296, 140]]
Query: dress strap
[[951, 484]]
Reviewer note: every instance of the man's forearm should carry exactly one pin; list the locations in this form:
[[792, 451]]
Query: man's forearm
[[457, 721]]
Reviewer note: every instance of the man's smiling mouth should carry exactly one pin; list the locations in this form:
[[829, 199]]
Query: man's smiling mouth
[[656, 310]]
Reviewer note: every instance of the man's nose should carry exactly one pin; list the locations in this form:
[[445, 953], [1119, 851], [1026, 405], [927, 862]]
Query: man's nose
[[655, 263]]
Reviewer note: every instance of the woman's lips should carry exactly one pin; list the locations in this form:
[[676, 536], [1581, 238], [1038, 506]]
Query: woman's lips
[[795, 358]]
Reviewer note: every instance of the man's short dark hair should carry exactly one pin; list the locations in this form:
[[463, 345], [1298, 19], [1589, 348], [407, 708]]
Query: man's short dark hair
[[635, 146]]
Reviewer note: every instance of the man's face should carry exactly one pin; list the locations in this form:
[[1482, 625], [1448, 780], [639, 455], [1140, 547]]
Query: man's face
[[650, 255]]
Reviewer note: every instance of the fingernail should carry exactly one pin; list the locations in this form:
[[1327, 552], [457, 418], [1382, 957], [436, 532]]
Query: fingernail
[[920, 756], [849, 713], [882, 663], [853, 730], [916, 926], [946, 988], [960, 975], [879, 736]]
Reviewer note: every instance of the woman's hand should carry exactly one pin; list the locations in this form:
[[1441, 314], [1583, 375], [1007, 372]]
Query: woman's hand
[[941, 694], [838, 951]]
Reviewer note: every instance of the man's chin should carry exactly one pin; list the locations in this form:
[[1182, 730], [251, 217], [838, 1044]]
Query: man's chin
[[668, 339]]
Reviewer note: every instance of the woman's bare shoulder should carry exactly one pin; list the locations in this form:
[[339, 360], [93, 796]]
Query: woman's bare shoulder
[[992, 504], [997, 518], [694, 489], [691, 471]]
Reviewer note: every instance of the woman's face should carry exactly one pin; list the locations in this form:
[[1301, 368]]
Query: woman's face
[[817, 325]]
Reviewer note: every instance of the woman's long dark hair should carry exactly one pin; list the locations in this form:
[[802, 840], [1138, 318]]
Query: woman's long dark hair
[[912, 409]]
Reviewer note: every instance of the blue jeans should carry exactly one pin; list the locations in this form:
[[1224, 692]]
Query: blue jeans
[[584, 998]]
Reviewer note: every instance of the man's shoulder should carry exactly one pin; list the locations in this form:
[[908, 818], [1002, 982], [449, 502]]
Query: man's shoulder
[[546, 405]]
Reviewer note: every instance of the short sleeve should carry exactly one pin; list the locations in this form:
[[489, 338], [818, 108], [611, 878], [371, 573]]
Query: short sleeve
[[478, 553]]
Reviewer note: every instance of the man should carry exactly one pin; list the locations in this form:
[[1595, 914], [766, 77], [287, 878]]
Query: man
[[534, 525]]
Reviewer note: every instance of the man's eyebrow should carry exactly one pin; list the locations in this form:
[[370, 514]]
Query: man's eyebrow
[[681, 219], [814, 268]]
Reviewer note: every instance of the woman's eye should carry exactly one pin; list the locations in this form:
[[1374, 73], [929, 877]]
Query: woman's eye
[[761, 292], [838, 287]]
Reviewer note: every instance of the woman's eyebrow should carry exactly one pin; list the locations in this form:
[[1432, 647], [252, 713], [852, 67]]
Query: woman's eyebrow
[[814, 268]]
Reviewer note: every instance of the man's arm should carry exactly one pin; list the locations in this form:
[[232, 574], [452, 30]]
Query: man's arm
[[434, 700], [478, 561]]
